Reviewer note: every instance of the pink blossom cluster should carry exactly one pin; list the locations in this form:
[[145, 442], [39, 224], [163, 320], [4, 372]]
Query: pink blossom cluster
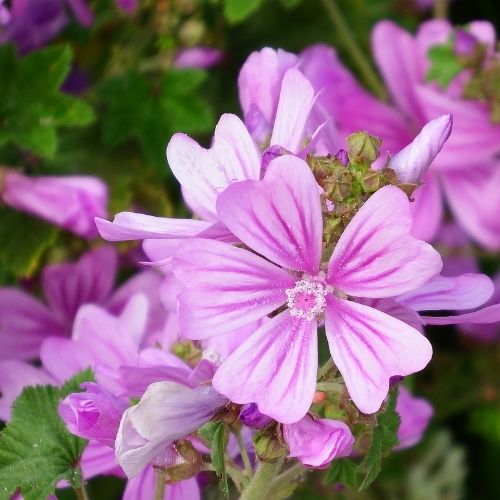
[[248, 283]]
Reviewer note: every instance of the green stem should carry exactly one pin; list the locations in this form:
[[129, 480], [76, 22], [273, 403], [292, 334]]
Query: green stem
[[325, 368], [237, 476], [260, 485], [160, 485], [440, 9], [358, 57], [285, 478], [244, 454], [81, 492]]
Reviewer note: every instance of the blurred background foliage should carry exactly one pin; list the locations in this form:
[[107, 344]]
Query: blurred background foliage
[[130, 99]]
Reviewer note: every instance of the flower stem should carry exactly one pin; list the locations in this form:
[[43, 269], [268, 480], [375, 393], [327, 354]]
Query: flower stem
[[81, 492], [260, 485], [285, 478], [160, 485], [440, 9], [325, 368], [358, 57], [244, 454]]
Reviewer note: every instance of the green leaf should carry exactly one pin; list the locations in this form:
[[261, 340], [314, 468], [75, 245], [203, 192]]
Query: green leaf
[[342, 471], [290, 4], [215, 435], [385, 438], [25, 240], [237, 10], [36, 450], [444, 64], [151, 114], [485, 421], [32, 106]]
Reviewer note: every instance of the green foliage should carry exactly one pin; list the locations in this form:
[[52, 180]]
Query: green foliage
[[237, 10], [385, 438], [485, 421], [36, 450], [215, 435], [25, 239], [32, 106], [137, 108], [342, 471], [444, 64]]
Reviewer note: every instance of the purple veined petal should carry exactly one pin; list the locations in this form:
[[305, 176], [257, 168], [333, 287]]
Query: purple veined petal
[[376, 256], [82, 12], [411, 163], [226, 288], [204, 173], [369, 347], [99, 459], [63, 358], [442, 293], [198, 57], [25, 323], [484, 316], [473, 198], [143, 486], [415, 414], [132, 226], [259, 84], [396, 55], [295, 104], [14, 377], [134, 317], [316, 442], [275, 368], [279, 217], [68, 286], [427, 209]]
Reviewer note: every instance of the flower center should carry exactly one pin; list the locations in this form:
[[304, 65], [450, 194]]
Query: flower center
[[306, 299]]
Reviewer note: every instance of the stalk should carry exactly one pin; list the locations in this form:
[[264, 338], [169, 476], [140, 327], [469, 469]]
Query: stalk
[[259, 486]]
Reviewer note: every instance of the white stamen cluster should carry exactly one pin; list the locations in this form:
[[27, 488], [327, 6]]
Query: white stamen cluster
[[302, 289]]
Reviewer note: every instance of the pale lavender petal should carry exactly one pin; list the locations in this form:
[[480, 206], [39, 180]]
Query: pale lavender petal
[[167, 412], [24, 324], [412, 162], [427, 209], [223, 345], [376, 256], [132, 226], [415, 414], [134, 317], [259, 84], [14, 377], [279, 217], [295, 103], [462, 292], [226, 288], [204, 173], [161, 252], [484, 31], [429, 34], [396, 54], [369, 347], [198, 57], [68, 286], [484, 316], [99, 459], [316, 442], [473, 198], [69, 202], [275, 368]]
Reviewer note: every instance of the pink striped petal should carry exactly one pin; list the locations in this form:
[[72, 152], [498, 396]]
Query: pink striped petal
[[295, 104], [63, 358], [279, 217], [275, 368], [376, 256], [369, 347], [226, 288], [463, 292], [204, 173], [485, 316]]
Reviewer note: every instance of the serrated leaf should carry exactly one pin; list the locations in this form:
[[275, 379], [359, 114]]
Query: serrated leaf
[[237, 10], [32, 106], [25, 239], [385, 438], [342, 471], [36, 450], [444, 64]]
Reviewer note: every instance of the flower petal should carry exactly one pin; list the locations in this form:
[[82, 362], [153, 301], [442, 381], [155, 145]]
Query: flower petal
[[369, 347], [279, 217], [204, 173], [226, 288], [484, 316], [275, 368], [376, 256]]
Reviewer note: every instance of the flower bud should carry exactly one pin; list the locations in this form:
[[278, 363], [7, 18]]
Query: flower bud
[[251, 417]]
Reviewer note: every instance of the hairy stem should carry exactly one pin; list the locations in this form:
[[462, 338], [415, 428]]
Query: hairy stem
[[244, 454], [160, 485], [259, 486], [358, 57], [81, 492], [286, 477]]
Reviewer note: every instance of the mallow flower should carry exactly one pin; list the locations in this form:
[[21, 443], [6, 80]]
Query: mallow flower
[[280, 220]]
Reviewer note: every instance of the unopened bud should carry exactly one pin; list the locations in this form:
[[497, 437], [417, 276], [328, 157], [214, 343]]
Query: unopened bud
[[363, 148], [269, 444]]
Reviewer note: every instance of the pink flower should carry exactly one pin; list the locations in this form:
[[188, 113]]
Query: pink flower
[[167, 412], [198, 57], [467, 181], [280, 219], [69, 202], [316, 442]]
